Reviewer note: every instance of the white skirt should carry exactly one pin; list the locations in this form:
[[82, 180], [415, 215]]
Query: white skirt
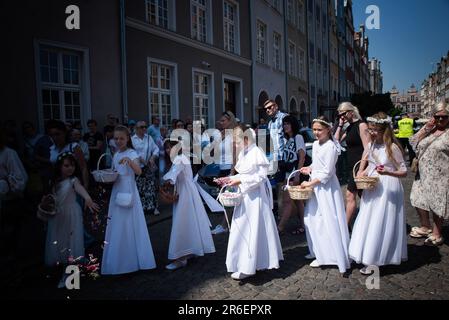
[[379, 234]]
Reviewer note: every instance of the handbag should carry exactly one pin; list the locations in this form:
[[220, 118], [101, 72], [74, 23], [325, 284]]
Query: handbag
[[124, 199]]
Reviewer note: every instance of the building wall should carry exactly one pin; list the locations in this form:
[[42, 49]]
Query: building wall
[[98, 42], [297, 85], [266, 78], [176, 49]]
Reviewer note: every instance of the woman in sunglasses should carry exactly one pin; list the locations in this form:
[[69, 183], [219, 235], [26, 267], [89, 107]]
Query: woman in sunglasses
[[430, 190], [357, 138]]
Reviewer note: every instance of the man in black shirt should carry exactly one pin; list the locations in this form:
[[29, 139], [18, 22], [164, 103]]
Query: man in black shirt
[[94, 140]]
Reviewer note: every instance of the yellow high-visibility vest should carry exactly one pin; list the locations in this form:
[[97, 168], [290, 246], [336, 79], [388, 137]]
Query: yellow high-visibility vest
[[405, 128]]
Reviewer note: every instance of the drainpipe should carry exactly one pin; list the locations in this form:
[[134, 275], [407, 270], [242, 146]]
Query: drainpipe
[[286, 49], [123, 62]]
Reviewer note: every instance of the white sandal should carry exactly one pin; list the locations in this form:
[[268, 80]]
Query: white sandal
[[420, 232], [433, 241]]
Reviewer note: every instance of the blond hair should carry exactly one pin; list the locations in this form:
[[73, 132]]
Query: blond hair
[[348, 106], [440, 106], [388, 136]]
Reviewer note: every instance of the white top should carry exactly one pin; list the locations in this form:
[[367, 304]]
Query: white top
[[292, 147], [12, 173], [226, 153], [55, 152], [145, 148], [85, 148]]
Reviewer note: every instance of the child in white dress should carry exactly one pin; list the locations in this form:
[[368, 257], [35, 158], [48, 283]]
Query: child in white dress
[[324, 214], [253, 240], [190, 233], [127, 247], [65, 237], [379, 234]]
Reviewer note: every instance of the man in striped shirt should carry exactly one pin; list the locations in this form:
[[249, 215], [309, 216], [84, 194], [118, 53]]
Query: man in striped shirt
[[275, 128], [277, 137]]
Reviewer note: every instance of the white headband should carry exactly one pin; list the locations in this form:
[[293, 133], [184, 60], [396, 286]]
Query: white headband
[[378, 121], [322, 122]]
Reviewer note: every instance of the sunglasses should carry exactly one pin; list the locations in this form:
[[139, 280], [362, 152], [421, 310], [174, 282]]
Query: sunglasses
[[269, 107], [343, 114], [441, 118], [143, 127]]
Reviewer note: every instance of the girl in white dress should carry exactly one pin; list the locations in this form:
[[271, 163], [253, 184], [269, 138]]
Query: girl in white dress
[[324, 214], [190, 233], [379, 234], [65, 236], [127, 247], [254, 240]]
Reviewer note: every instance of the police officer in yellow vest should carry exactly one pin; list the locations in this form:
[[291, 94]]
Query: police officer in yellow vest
[[404, 132]]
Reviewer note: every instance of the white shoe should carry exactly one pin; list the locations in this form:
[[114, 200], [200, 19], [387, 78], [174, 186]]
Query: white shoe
[[239, 276], [176, 265], [365, 272], [156, 212], [309, 257], [314, 264], [219, 229]]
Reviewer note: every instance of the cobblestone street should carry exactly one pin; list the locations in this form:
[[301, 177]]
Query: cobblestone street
[[423, 276]]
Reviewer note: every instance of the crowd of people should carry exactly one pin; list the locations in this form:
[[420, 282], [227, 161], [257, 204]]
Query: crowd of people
[[148, 163]]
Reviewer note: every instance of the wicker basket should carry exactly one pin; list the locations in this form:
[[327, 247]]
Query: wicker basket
[[296, 192], [364, 183], [168, 197], [45, 213], [229, 199], [106, 175]]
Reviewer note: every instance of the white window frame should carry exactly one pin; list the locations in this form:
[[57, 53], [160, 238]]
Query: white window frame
[[258, 41], [174, 91], [84, 79], [208, 22], [211, 96], [238, 95], [277, 5], [300, 15], [171, 14], [291, 12], [277, 51], [292, 59], [301, 64], [236, 24]]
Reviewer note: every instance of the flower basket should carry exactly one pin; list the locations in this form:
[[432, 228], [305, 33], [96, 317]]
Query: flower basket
[[229, 198], [296, 192], [47, 208], [364, 183], [105, 175], [167, 196]]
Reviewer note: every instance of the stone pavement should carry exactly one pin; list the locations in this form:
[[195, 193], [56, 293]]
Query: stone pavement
[[423, 276]]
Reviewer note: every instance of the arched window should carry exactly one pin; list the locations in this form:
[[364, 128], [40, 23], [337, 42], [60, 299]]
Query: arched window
[[279, 102], [293, 109]]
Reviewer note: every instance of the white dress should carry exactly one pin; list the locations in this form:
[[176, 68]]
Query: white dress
[[127, 246], [254, 240], [190, 233], [324, 213], [65, 233], [379, 235]]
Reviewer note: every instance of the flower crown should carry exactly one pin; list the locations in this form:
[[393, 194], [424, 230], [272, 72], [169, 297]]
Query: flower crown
[[322, 122], [63, 155], [378, 121]]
